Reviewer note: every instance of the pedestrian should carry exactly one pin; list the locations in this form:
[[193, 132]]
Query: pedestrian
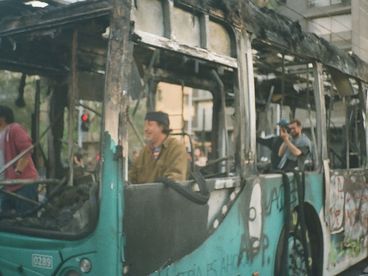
[[14, 139]]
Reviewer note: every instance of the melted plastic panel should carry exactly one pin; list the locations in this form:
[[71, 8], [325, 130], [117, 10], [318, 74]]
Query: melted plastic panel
[[70, 210], [161, 226], [218, 39], [152, 21]]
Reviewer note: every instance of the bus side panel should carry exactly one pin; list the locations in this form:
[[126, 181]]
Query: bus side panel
[[39, 262], [347, 219], [230, 249], [246, 240]]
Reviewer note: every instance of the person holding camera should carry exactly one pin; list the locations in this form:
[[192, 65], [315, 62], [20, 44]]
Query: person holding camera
[[296, 147]]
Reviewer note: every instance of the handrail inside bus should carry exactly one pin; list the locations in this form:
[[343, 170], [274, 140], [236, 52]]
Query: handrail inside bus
[[29, 181], [223, 111]]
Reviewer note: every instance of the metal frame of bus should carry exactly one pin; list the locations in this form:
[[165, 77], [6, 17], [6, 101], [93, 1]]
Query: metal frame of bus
[[234, 252]]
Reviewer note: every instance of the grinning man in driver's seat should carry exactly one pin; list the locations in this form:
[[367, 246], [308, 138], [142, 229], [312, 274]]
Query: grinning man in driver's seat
[[163, 156]]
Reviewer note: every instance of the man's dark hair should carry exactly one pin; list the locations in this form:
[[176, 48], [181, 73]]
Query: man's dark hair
[[162, 119], [7, 114], [297, 122], [165, 128]]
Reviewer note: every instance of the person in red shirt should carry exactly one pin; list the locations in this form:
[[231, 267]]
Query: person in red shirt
[[14, 140]]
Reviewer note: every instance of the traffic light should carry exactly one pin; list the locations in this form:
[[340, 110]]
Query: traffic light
[[85, 122]]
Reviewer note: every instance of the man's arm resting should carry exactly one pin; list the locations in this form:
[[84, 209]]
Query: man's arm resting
[[132, 173], [177, 165]]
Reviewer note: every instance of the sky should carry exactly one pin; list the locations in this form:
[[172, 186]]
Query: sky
[[41, 4]]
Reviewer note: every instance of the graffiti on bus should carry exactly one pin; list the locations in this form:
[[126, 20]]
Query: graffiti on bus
[[259, 204], [348, 215]]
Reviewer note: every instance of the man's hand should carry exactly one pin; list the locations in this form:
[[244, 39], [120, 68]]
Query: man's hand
[[287, 144], [283, 134]]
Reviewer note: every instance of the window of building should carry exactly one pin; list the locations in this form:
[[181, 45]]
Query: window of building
[[324, 3], [336, 29]]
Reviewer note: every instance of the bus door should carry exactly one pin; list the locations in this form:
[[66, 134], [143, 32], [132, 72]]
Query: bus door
[[162, 225], [346, 190], [285, 90], [199, 95]]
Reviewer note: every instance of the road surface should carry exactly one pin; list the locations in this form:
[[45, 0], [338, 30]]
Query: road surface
[[360, 269]]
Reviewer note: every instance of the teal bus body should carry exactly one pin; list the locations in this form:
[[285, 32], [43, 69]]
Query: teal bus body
[[211, 258], [226, 73], [103, 246], [239, 257]]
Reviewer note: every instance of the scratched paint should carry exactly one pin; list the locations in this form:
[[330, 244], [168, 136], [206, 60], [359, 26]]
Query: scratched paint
[[348, 216], [337, 201], [246, 240], [255, 215]]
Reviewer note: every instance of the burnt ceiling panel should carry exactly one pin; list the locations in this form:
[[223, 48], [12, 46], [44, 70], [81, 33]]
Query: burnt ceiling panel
[[41, 43], [51, 17], [10, 8]]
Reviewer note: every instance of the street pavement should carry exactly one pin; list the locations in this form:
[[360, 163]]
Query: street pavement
[[360, 269]]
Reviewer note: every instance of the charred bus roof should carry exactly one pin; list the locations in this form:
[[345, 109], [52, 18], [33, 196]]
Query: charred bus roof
[[37, 40]]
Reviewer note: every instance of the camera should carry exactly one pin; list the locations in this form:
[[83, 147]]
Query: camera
[[286, 128], [284, 124]]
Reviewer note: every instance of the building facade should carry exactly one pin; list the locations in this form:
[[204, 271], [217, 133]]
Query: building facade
[[342, 22]]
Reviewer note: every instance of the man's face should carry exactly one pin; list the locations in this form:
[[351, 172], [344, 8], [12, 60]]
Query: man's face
[[152, 132], [295, 130]]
